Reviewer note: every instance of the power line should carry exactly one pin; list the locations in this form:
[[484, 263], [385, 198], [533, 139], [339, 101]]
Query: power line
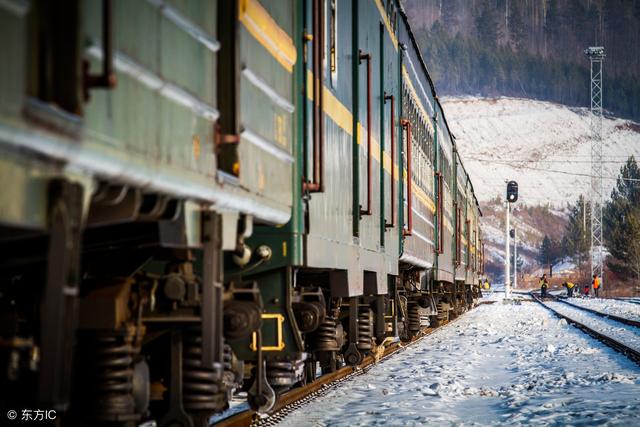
[[483, 159], [567, 173]]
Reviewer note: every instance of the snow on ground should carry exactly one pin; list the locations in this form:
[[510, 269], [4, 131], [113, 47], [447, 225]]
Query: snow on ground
[[624, 333], [610, 306], [499, 364], [542, 145]]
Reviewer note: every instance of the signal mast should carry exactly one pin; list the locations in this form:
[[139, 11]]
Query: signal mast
[[512, 197]]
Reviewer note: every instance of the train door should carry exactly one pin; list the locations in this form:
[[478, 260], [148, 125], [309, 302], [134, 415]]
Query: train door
[[255, 94]]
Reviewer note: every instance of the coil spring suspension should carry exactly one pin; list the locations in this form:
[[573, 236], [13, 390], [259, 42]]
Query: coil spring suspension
[[443, 312], [365, 328], [106, 377], [424, 318], [414, 316], [203, 391], [284, 374], [325, 338], [227, 358], [233, 371]]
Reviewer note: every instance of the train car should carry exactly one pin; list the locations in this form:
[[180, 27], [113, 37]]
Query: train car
[[467, 242], [369, 253], [130, 163], [208, 196]]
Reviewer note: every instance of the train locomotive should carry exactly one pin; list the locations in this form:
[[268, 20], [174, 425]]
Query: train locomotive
[[201, 197]]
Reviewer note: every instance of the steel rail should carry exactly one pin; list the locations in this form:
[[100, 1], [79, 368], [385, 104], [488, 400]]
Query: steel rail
[[631, 301], [620, 319], [618, 346], [302, 395]]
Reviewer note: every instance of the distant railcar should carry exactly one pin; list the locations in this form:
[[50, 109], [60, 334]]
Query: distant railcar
[[202, 196]]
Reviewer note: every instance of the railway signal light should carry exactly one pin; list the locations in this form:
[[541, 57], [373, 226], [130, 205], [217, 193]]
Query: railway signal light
[[512, 192]]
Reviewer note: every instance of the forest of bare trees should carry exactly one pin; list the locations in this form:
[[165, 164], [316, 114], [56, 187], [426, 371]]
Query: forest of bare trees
[[531, 48]]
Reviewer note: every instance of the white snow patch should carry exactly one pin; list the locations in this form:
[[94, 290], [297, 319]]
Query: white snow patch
[[530, 141]]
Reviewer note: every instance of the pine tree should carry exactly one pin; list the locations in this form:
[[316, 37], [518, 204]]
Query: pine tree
[[544, 252], [516, 28], [578, 231], [622, 219], [487, 25], [450, 15]]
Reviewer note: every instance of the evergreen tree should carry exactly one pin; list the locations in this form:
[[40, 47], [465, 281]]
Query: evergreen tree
[[622, 219], [552, 25], [516, 27], [465, 52], [487, 25], [577, 237], [578, 231], [450, 15], [544, 252]]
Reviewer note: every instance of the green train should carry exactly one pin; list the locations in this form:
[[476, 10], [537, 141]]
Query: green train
[[202, 197]]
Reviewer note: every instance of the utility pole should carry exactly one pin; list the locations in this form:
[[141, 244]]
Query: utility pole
[[512, 197], [596, 56], [515, 259], [507, 258]]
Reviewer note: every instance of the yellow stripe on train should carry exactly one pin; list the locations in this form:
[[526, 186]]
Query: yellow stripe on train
[[267, 32]]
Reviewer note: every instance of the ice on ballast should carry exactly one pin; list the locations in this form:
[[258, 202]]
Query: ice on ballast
[[497, 365]]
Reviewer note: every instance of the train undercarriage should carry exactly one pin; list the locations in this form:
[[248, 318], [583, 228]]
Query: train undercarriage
[[119, 315]]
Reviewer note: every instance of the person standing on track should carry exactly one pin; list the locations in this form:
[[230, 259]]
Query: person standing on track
[[544, 284], [596, 285]]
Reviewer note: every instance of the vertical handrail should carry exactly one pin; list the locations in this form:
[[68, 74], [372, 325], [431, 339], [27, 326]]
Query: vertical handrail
[[440, 213], [482, 266], [367, 57], [458, 235], [406, 125], [393, 159], [107, 79], [468, 237], [316, 185]]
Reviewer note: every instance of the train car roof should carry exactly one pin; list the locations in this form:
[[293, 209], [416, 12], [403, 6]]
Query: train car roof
[[423, 64]]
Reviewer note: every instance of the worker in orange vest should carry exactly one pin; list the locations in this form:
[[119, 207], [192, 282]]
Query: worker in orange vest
[[596, 284]]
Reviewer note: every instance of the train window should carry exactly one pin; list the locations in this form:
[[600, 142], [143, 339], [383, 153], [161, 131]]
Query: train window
[[333, 40]]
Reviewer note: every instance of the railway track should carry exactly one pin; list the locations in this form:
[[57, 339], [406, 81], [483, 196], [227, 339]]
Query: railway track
[[632, 301], [615, 344], [300, 396], [620, 319]]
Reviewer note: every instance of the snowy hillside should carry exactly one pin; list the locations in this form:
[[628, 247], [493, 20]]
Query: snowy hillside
[[544, 146], [532, 224]]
